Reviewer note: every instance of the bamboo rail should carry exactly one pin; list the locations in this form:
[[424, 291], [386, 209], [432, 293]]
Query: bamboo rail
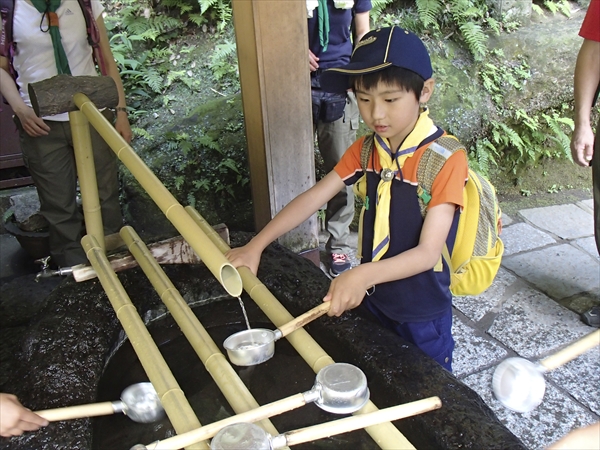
[[171, 396]]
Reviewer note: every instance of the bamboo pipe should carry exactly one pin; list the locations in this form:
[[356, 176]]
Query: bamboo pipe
[[386, 435], [171, 396], [86, 172], [220, 267], [228, 381]]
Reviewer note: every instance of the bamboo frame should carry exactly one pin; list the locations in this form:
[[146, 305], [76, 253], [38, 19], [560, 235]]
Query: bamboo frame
[[220, 267], [386, 435], [228, 381], [171, 396]]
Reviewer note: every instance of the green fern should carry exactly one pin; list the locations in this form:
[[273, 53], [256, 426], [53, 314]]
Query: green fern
[[429, 11]]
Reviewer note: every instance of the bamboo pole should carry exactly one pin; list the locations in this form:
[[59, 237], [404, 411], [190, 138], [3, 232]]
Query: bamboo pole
[[86, 172], [228, 381], [171, 396], [220, 267], [386, 435]]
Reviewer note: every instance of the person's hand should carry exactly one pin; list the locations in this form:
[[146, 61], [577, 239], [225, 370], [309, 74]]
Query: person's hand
[[33, 125], [15, 418], [123, 127], [313, 61], [244, 256], [346, 291], [582, 145]]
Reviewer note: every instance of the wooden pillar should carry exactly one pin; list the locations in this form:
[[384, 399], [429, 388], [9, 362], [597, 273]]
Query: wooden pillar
[[272, 46]]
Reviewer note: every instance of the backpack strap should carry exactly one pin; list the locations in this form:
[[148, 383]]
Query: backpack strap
[[365, 152], [93, 34], [7, 45], [432, 160]]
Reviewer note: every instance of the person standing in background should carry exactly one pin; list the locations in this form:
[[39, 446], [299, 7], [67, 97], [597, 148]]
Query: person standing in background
[[335, 116], [50, 37], [585, 148]]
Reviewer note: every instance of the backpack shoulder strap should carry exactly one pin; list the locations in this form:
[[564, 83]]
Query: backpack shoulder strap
[[432, 160], [7, 10], [93, 34], [365, 152]]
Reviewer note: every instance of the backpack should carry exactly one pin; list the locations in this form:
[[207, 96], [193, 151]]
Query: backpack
[[478, 249], [8, 47]]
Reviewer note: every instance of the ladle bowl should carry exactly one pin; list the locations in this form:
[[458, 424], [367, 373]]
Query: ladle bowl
[[255, 346], [519, 384], [139, 402]]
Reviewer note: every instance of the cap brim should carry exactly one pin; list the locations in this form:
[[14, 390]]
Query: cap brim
[[338, 79]]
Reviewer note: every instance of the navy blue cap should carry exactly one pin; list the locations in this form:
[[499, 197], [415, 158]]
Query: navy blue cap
[[377, 50]]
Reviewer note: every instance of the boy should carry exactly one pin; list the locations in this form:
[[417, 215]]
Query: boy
[[407, 288]]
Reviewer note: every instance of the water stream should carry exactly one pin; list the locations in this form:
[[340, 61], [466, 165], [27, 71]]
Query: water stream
[[244, 311]]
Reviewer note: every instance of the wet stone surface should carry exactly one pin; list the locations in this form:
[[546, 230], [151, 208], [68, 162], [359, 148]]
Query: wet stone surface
[[64, 350]]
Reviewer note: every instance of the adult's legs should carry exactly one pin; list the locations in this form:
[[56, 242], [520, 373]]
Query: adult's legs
[[334, 138], [51, 163]]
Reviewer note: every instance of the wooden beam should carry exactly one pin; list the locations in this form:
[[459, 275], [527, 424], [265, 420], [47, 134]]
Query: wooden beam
[[272, 46]]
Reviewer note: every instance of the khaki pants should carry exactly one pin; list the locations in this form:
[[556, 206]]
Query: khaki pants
[[51, 163], [334, 138]]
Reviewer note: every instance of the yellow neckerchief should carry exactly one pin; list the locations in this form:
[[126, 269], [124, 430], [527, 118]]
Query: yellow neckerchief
[[390, 167]]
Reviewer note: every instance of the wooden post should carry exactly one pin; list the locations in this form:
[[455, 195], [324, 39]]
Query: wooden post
[[272, 46]]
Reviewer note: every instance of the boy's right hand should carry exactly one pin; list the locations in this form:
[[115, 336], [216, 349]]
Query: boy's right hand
[[244, 256], [15, 418], [347, 291]]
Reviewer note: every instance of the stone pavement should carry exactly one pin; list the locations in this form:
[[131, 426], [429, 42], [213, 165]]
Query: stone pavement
[[550, 273]]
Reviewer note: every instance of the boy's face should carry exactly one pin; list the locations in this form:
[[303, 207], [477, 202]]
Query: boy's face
[[391, 111]]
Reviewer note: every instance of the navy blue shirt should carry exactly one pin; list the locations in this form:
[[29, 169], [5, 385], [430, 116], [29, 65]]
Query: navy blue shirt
[[339, 48]]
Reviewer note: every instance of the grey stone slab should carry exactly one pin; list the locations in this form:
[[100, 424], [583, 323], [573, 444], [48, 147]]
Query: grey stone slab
[[506, 220], [581, 379], [565, 221], [474, 350], [521, 237], [475, 307], [587, 205], [560, 271], [534, 326], [588, 245], [556, 416]]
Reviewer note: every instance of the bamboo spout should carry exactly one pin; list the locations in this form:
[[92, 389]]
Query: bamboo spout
[[220, 267], [386, 435], [171, 396]]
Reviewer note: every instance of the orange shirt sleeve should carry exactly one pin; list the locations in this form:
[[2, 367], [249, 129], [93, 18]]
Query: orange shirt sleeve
[[448, 186]]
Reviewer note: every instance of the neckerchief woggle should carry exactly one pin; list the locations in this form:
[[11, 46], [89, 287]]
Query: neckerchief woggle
[[391, 164]]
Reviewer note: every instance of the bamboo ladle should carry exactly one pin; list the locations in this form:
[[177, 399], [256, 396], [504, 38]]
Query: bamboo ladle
[[242, 436], [519, 384], [139, 402]]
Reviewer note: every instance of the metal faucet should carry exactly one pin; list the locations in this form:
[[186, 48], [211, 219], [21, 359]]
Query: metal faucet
[[47, 272]]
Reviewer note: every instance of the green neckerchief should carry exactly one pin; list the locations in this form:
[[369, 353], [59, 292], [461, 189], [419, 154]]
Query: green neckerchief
[[48, 8], [323, 14]]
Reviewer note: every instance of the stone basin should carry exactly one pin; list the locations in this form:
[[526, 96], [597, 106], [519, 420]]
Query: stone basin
[[74, 351]]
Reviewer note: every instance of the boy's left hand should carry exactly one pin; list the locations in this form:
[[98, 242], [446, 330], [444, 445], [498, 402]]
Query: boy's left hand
[[346, 291]]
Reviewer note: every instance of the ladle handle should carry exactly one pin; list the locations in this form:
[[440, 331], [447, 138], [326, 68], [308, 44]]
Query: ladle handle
[[572, 351], [208, 431], [357, 421], [80, 411], [305, 318]]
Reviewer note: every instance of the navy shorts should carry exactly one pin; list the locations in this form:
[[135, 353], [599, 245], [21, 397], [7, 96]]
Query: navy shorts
[[434, 337]]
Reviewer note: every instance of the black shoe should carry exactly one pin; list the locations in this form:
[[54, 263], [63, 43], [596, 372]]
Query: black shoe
[[340, 262], [592, 317]]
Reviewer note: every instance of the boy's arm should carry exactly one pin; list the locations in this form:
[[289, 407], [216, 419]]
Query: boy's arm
[[296, 212], [348, 290]]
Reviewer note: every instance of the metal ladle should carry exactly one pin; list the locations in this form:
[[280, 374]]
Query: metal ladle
[[139, 402], [242, 436], [255, 346], [339, 388], [519, 384]]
